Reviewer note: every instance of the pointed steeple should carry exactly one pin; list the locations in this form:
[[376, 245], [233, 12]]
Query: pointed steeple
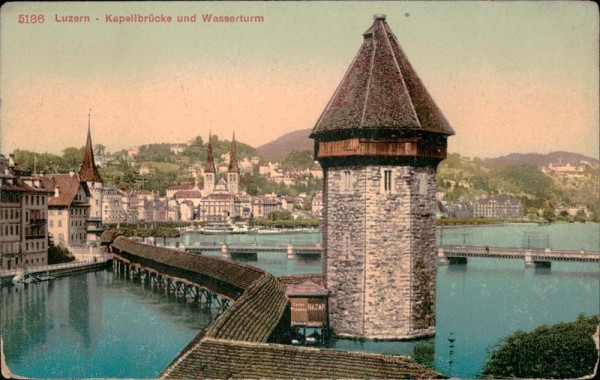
[[233, 163], [210, 162], [88, 171], [381, 94]]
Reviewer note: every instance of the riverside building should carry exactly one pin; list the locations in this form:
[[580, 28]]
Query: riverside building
[[23, 217]]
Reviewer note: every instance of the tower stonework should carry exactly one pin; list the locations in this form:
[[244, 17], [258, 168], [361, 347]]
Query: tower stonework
[[379, 141]]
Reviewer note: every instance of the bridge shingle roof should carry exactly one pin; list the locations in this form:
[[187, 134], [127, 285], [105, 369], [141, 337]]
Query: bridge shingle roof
[[255, 315], [235, 274], [218, 358]]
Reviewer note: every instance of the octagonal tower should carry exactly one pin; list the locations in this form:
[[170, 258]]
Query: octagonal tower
[[379, 141]]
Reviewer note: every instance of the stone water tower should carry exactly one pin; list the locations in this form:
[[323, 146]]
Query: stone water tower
[[379, 141]]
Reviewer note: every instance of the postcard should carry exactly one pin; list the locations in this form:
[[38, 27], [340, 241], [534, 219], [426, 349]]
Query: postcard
[[406, 178]]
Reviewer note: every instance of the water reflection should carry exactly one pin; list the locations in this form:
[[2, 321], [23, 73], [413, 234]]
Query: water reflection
[[94, 325], [23, 317]]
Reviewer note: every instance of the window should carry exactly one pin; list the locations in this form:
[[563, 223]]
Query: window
[[387, 181], [60, 223], [423, 186], [347, 180]]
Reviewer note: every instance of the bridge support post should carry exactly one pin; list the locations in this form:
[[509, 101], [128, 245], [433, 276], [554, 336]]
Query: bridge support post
[[528, 259], [442, 259], [290, 252], [225, 251]]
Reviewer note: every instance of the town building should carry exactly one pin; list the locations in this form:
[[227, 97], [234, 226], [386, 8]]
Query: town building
[[68, 208], [379, 141], [221, 200], [262, 206], [23, 217], [497, 206]]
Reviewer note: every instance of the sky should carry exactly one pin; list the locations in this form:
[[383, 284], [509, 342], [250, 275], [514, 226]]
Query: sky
[[509, 76]]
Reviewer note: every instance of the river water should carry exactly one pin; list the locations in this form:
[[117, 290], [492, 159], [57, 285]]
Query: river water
[[97, 325]]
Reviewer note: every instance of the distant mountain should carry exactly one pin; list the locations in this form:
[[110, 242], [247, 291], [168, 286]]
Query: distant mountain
[[537, 159], [294, 141]]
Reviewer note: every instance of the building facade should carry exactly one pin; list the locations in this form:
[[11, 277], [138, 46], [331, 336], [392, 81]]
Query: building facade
[[68, 208], [379, 142], [498, 206], [23, 218]]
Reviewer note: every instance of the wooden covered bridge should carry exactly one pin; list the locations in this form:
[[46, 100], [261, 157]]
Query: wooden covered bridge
[[245, 340]]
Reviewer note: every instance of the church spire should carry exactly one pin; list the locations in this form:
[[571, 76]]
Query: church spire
[[210, 163], [88, 171], [233, 163]]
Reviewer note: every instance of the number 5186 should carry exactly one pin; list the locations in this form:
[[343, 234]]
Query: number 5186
[[31, 19]]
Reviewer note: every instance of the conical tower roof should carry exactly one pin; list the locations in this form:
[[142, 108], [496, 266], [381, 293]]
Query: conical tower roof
[[380, 94], [233, 163], [88, 171], [210, 162]]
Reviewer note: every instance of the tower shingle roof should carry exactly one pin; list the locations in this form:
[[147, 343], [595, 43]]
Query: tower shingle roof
[[233, 163], [88, 171], [381, 92], [210, 162]]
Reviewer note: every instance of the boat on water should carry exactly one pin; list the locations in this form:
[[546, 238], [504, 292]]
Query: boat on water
[[46, 277], [23, 278], [287, 230], [224, 228]]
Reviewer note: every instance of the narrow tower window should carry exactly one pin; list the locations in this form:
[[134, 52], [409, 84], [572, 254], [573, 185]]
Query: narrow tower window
[[423, 187], [347, 180], [387, 181]]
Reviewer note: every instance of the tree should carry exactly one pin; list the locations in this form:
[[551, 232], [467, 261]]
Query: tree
[[280, 215], [100, 149], [72, 158], [549, 214], [58, 254], [165, 232], [248, 183], [565, 350], [298, 160]]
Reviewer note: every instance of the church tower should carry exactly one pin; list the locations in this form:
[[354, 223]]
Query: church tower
[[233, 171], [209, 170], [88, 172], [379, 141]]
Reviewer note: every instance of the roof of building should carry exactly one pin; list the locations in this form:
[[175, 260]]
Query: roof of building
[[108, 236], [297, 279], [233, 162], [88, 171], [210, 162], [306, 288], [218, 359], [188, 194], [265, 200], [498, 199], [180, 187], [220, 196], [67, 185], [381, 93]]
